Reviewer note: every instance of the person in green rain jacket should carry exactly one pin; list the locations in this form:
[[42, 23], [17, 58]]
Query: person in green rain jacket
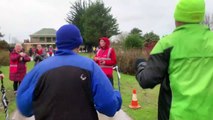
[[182, 63]]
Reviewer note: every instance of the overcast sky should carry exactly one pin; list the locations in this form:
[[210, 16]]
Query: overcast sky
[[20, 18]]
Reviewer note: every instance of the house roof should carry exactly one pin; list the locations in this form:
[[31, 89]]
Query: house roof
[[47, 32]]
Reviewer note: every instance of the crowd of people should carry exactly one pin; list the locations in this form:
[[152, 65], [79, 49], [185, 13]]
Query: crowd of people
[[65, 77], [69, 86], [18, 59]]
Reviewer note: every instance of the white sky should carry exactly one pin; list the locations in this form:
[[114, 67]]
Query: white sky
[[20, 18]]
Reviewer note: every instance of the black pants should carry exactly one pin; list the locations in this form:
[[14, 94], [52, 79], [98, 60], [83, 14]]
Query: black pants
[[16, 85], [111, 80]]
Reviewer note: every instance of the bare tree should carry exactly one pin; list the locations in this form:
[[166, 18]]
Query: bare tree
[[1, 35], [208, 21]]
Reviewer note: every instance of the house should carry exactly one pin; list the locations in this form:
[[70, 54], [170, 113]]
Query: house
[[45, 37]]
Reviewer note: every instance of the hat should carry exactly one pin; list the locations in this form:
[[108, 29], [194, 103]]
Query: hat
[[68, 37], [190, 11]]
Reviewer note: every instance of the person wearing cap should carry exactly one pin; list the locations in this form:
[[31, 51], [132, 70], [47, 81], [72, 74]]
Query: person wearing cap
[[67, 86], [182, 63], [106, 57]]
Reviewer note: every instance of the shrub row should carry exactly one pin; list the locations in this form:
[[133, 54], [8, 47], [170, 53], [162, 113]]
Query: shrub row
[[126, 59], [4, 58]]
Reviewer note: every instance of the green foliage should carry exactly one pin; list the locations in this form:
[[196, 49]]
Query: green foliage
[[136, 31], [148, 37], [77, 11], [98, 22], [3, 45], [133, 41], [4, 58], [94, 21]]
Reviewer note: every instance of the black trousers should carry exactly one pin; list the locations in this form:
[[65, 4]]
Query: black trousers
[[16, 85]]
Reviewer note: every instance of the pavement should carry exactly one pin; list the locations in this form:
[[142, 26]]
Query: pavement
[[120, 115]]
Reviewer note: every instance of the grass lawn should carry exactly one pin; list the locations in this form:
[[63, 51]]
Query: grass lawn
[[146, 98]]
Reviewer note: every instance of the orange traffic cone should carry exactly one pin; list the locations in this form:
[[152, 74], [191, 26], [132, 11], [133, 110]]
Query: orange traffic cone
[[134, 104]]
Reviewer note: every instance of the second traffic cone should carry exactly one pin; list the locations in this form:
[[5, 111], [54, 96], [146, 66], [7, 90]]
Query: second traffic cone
[[134, 103]]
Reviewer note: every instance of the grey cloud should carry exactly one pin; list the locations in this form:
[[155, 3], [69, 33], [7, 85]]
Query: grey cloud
[[24, 17]]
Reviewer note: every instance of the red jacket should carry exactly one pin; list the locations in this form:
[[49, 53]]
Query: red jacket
[[107, 55], [17, 68]]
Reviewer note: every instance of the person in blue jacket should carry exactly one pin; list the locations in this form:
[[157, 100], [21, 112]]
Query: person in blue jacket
[[67, 86]]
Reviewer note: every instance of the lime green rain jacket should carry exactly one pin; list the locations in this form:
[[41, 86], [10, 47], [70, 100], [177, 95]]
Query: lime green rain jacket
[[183, 64]]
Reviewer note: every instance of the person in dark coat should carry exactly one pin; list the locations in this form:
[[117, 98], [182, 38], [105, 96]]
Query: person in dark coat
[[30, 52], [18, 67], [40, 54]]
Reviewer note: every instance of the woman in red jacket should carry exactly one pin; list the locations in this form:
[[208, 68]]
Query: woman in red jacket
[[106, 57], [18, 68]]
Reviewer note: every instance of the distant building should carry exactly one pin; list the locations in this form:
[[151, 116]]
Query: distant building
[[45, 37]]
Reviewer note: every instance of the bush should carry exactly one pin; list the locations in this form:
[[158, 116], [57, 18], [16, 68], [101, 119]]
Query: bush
[[4, 58], [149, 37], [3, 45], [126, 59], [133, 41]]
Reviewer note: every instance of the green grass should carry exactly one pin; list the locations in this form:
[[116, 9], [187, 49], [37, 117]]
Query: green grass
[[89, 55], [146, 98], [9, 90]]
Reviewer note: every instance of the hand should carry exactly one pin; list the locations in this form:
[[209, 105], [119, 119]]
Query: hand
[[21, 58], [102, 62], [96, 58], [2, 75], [22, 54]]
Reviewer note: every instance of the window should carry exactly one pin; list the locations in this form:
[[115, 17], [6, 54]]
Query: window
[[53, 39], [49, 39], [42, 39]]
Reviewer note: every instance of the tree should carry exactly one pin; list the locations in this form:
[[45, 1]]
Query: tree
[[98, 22], [76, 13], [3, 45], [151, 36], [136, 31], [208, 21], [133, 41], [1, 35], [94, 21]]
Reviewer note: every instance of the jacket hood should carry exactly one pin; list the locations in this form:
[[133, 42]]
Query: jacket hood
[[106, 40]]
